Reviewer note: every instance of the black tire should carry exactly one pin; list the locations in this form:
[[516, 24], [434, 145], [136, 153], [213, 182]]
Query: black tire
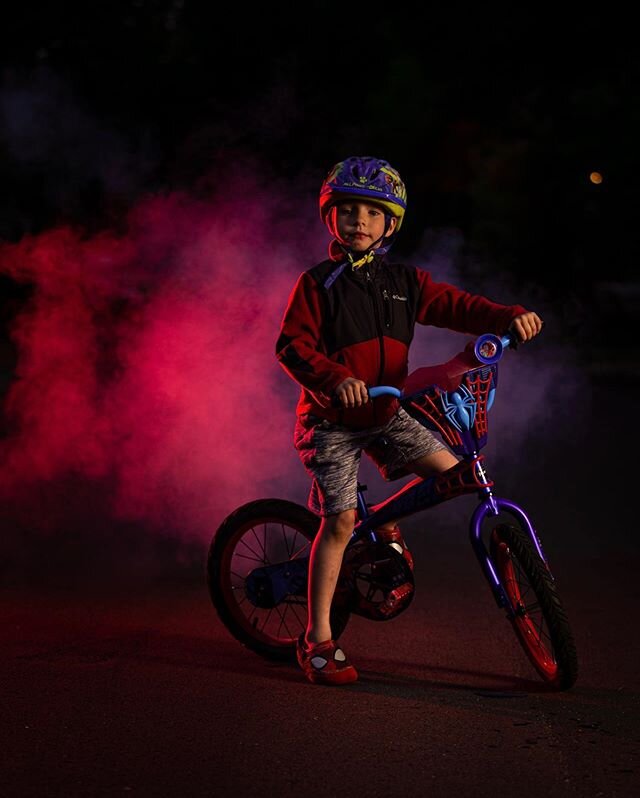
[[534, 608], [257, 534]]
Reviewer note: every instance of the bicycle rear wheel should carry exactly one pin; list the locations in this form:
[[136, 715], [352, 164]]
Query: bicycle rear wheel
[[535, 609], [257, 570]]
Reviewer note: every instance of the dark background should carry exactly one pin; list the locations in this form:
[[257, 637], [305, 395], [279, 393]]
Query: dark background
[[496, 119]]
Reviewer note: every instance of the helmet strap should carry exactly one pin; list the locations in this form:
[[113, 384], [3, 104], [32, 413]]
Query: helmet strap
[[350, 256], [356, 264], [388, 241]]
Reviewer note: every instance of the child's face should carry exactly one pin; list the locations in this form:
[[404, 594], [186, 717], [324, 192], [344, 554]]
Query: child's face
[[360, 224]]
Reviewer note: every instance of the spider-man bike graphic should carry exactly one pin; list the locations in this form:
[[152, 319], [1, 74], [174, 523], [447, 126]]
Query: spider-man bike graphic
[[258, 560]]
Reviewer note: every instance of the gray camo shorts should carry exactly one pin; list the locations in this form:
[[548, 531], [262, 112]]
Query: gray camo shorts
[[331, 455]]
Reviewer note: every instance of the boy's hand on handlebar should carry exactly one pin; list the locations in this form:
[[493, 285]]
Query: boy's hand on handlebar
[[352, 392], [526, 326]]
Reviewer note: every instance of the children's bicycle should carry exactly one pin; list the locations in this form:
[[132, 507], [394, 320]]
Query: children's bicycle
[[258, 560]]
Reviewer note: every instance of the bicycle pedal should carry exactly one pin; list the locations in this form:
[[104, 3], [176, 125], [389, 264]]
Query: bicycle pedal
[[395, 599]]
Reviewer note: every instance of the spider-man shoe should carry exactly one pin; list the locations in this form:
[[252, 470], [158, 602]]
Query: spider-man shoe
[[325, 663]]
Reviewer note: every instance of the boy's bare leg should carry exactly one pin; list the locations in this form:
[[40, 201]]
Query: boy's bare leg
[[324, 567], [431, 464], [329, 545]]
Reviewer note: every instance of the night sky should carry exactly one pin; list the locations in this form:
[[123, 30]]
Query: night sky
[[160, 164]]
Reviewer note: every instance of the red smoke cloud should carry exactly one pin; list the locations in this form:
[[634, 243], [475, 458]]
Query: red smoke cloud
[[146, 360]]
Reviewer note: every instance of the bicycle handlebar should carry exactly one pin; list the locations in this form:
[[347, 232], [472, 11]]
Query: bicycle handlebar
[[488, 349], [382, 390]]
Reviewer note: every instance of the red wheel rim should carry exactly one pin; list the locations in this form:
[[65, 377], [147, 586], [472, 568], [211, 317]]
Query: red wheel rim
[[528, 619]]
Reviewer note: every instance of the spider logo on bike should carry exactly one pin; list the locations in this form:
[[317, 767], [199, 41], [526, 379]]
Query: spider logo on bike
[[460, 408]]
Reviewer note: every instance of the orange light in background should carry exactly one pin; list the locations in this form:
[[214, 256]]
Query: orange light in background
[[595, 177]]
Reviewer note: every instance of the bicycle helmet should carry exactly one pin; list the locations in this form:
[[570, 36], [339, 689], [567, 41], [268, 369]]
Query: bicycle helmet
[[368, 179]]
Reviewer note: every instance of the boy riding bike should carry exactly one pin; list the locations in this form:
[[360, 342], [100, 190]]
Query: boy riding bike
[[348, 324]]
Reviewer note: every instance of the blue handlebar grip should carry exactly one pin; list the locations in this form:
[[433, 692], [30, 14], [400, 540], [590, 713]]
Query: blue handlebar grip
[[382, 390]]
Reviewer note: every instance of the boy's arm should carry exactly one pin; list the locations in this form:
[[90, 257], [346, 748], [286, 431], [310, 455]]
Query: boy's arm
[[297, 348], [444, 305]]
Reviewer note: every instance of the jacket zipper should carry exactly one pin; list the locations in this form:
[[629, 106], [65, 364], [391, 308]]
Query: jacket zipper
[[388, 317], [372, 294]]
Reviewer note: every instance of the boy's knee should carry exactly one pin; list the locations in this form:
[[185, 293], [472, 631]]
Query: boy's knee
[[341, 525]]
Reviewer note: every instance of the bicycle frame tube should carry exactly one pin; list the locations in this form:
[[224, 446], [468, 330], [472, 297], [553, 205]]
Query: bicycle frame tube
[[468, 476], [415, 496]]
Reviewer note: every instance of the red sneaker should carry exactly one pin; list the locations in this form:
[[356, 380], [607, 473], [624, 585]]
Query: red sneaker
[[325, 663], [394, 538]]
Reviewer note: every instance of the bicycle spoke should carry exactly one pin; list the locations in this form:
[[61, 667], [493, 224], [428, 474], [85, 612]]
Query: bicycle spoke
[[542, 634], [262, 544], [239, 576], [282, 621], [266, 620], [244, 543], [296, 615], [250, 616], [305, 545], [286, 541], [244, 557]]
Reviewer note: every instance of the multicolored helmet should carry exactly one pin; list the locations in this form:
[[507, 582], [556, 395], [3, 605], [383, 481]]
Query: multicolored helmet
[[368, 179]]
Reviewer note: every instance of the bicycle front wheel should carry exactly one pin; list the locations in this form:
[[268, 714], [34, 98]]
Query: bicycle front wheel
[[535, 609], [257, 573]]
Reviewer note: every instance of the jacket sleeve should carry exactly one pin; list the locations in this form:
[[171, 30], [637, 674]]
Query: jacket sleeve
[[444, 305], [299, 346]]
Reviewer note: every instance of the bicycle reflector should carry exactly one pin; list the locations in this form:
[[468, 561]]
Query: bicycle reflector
[[488, 348]]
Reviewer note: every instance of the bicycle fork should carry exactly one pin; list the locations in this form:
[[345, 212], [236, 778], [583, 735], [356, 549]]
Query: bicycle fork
[[492, 506]]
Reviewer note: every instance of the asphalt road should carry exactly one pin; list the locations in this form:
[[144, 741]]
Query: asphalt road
[[145, 692]]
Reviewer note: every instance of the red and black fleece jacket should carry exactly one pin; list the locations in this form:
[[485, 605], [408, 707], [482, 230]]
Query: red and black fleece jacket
[[361, 326]]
